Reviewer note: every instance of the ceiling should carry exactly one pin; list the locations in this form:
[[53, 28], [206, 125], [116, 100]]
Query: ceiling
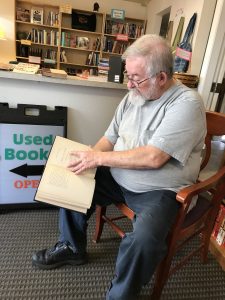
[[142, 2]]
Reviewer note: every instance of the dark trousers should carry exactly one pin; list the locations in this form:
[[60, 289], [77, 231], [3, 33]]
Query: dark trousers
[[142, 249]]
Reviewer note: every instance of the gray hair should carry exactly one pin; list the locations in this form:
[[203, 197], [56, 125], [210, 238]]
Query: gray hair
[[156, 52]]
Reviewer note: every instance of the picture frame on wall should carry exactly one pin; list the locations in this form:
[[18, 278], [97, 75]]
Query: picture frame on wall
[[37, 15], [22, 14]]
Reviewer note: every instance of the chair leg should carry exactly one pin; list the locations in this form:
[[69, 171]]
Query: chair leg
[[161, 277], [100, 211], [205, 240]]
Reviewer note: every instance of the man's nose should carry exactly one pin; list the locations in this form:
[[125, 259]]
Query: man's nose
[[130, 84]]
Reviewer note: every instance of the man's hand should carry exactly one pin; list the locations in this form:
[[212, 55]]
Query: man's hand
[[83, 160]]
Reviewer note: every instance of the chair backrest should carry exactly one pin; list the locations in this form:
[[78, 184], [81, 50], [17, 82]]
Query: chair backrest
[[215, 127]]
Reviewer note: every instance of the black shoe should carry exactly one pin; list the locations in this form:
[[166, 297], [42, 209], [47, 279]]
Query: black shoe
[[60, 254]]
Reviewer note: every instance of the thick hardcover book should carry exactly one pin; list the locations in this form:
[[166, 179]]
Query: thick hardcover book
[[61, 187], [56, 73]]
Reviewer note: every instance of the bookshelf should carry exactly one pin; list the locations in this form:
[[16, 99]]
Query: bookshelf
[[81, 45], [37, 33], [59, 40], [119, 34]]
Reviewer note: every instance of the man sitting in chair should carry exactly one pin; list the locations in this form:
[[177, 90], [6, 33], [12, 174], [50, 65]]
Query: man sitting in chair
[[150, 151]]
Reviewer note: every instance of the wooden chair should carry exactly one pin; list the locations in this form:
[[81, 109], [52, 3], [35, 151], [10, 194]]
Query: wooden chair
[[198, 222]]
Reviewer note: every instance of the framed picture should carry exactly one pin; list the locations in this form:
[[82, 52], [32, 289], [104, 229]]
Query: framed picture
[[22, 14], [118, 14], [37, 15]]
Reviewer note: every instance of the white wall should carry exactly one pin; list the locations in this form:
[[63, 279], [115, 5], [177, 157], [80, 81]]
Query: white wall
[[186, 8]]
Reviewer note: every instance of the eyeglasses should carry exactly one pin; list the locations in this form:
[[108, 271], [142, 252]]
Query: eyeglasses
[[136, 82]]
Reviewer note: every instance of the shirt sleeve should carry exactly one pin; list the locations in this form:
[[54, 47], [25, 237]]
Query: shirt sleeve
[[182, 129]]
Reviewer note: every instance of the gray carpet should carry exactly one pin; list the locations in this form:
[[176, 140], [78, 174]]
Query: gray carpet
[[26, 230]]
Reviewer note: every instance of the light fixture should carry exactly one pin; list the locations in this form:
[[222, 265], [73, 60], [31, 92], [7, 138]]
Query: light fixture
[[2, 34]]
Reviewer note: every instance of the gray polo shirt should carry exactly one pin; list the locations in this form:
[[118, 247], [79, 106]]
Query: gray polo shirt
[[174, 123]]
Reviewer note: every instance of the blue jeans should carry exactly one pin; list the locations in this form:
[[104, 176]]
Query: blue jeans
[[140, 250]]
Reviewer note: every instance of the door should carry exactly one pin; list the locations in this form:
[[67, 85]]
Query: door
[[212, 82]]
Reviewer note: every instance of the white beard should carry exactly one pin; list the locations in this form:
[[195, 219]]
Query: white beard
[[136, 98], [139, 99]]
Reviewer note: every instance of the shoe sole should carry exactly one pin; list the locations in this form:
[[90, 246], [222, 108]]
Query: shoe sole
[[59, 264]]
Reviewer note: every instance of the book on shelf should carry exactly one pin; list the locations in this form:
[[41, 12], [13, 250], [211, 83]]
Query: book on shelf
[[63, 57], [37, 15], [61, 187], [107, 44], [103, 66], [53, 19], [22, 14], [94, 44], [92, 59]]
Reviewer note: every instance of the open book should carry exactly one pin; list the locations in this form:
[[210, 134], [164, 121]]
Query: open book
[[61, 187]]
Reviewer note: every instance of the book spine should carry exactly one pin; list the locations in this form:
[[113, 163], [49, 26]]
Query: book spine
[[63, 39]]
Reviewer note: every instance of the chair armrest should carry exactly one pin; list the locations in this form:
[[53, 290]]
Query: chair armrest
[[185, 195]]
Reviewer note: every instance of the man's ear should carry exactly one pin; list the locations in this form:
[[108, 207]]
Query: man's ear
[[163, 77]]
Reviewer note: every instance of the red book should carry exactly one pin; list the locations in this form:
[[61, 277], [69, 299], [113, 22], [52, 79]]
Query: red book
[[219, 220]]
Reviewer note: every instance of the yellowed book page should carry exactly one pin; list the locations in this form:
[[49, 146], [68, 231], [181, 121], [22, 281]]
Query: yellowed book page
[[60, 184], [60, 153]]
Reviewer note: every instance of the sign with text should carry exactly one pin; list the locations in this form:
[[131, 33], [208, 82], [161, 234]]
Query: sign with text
[[118, 14], [24, 149]]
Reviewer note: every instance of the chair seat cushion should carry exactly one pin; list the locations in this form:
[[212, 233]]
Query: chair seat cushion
[[203, 204]]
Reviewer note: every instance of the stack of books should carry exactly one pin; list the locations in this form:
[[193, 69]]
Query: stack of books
[[103, 66]]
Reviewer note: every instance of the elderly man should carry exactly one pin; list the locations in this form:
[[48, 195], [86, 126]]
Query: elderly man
[[150, 150]]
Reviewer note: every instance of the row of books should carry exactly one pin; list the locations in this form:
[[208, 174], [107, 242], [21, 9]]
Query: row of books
[[26, 51], [110, 45], [131, 29], [72, 40], [43, 36], [219, 228], [92, 59], [52, 19]]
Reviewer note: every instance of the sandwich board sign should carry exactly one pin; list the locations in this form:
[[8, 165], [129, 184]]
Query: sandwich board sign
[[25, 143]]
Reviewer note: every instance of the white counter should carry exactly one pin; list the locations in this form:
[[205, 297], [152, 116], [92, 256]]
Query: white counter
[[93, 81], [91, 104]]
